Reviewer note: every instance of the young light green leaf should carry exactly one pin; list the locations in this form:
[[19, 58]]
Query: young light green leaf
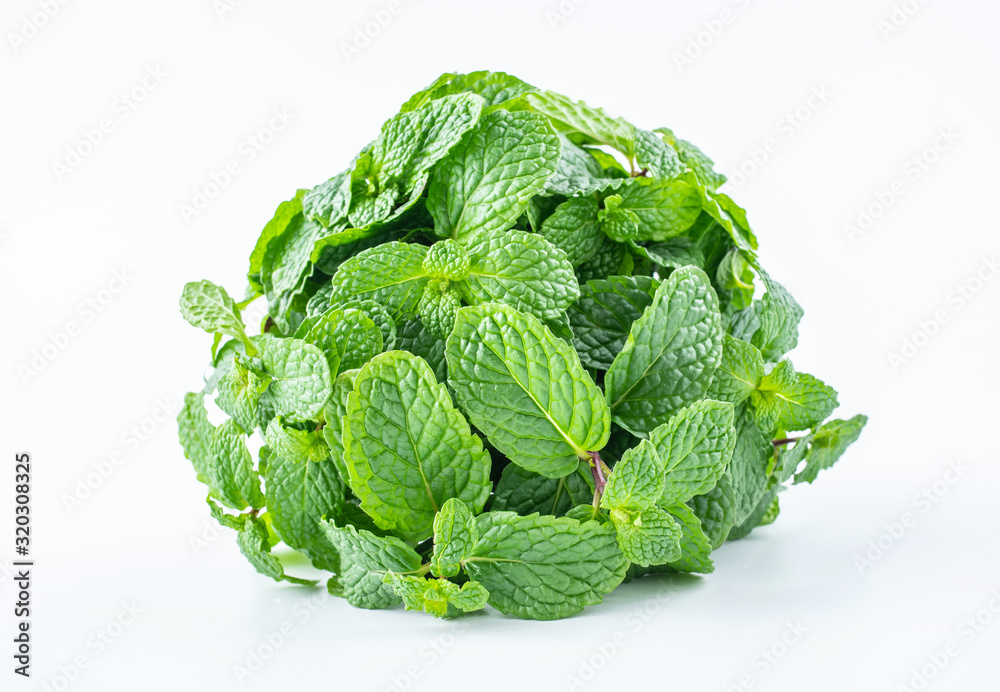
[[303, 487], [603, 315], [408, 449], [455, 533], [656, 156], [485, 182], [647, 537], [447, 259], [543, 567], [364, 559], [300, 377], [739, 373], [695, 446], [439, 307], [618, 223], [437, 597], [391, 274], [231, 472], [333, 414], [377, 314], [636, 482], [209, 307], [574, 228], [526, 389], [524, 492], [283, 215], [828, 444], [327, 203], [239, 394], [496, 88], [347, 337], [671, 353], [522, 270], [584, 124], [694, 158], [792, 401]]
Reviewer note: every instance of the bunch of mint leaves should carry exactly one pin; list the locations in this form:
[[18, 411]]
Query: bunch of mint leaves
[[517, 353]]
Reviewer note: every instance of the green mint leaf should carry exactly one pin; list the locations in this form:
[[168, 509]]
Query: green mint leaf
[[618, 223], [283, 216], [828, 444], [734, 281], [647, 537], [779, 315], [447, 259], [437, 597], [239, 393], [328, 203], [695, 546], [694, 158], [577, 172], [364, 560], [612, 259], [195, 434], [333, 414], [657, 156], [525, 389], [524, 492], [695, 445], [303, 487], [748, 470], [408, 448], [439, 307], [287, 265], [347, 337], [421, 342], [662, 208], [377, 314], [522, 270], [496, 88], [300, 377], [455, 533], [544, 568], [209, 307], [231, 472], [636, 482], [485, 182], [252, 538], [603, 315], [758, 515], [391, 274], [739, 373], [582, 123], [716, 510], [790, 400], [670, 356], [574, 228], [672, 253]]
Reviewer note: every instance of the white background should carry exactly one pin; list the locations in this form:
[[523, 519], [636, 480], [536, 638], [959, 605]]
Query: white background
[[203, 609]]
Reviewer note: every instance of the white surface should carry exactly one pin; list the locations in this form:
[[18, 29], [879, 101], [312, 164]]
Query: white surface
[[120, 210]]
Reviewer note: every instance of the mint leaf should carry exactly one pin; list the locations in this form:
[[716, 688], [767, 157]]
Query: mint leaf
[[347, 337], [584, 124], [303, 487], [447, 259], [574, 228], [739, 373], [486, 181], [524, 492], [522, 270], [661, 208], [253, 541], [300, 377], [603, 315], [828, 444], [437, 597], [195, 434], [636, 482], [333, 414], [439, 307], [716, 510], [779, 315], [649, 537], [377, 314], [408, 448], [328, 203], [792, 401], [231, 472], [671, 354], [695, 445], [496, 88], [209, 307], [672, 253], [748, 470], [424, 343], [525, 389], [283, 216], [391, 274], [239, 394], [286, 266], [365, 559], [695, 546], [544, 568], [455, 533], [694, 159]]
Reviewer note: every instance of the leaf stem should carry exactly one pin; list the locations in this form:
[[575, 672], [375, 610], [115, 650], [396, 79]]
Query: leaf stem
[[597, 470], [785, 441]]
